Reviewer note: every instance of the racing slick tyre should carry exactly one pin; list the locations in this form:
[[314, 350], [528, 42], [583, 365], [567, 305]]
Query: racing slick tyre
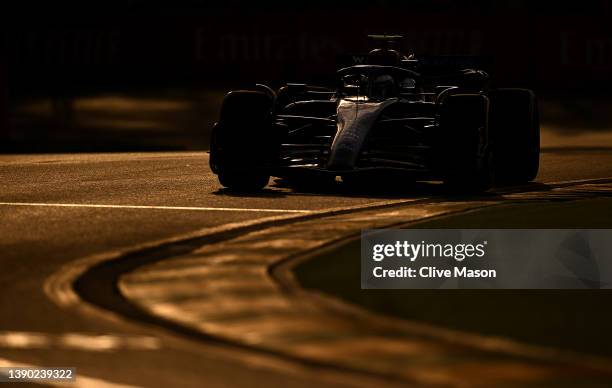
[[514, 125], [464, 149], [243, 145]]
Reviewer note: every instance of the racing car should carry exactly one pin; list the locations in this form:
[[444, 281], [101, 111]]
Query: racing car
[[391, 117]]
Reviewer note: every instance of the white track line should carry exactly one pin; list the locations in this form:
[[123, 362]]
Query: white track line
[[194, 208], [80, 381]]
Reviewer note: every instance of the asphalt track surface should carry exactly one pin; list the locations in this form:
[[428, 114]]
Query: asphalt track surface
[[55, 209]]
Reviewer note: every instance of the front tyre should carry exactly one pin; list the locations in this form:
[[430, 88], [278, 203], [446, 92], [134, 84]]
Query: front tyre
[[464, 149], [243, 144]]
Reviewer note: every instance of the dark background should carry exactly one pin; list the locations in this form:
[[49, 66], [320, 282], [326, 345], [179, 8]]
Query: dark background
[[123, 75]]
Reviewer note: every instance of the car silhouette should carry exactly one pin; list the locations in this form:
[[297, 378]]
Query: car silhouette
[[391, 117]]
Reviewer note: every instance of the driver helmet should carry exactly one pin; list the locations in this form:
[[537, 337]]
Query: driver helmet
[[383, 87]]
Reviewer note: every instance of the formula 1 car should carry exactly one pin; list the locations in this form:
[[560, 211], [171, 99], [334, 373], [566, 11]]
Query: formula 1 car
[[393, 116]]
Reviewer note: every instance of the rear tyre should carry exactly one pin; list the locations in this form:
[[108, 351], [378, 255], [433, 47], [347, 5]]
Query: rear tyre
[[243, 145], [515, 135], [464, 150]]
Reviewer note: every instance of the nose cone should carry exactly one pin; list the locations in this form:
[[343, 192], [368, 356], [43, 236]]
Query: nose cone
[[343, 159], [355, 119]]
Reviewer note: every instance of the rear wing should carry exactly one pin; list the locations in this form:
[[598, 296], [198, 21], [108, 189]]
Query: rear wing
[[428, 64]]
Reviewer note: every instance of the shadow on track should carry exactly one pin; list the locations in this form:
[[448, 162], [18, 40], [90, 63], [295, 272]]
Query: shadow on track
[[376, 189]]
